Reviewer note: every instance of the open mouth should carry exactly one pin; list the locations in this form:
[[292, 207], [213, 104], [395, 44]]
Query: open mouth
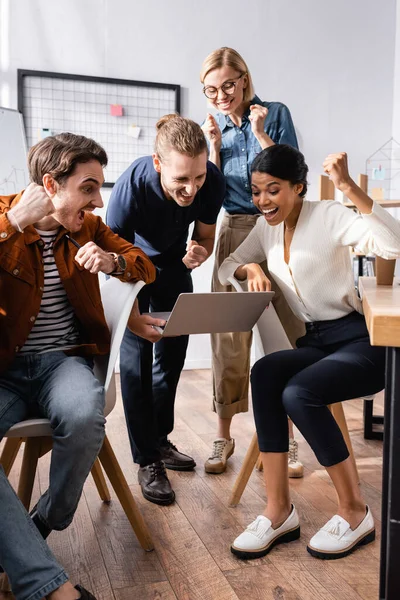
[[269, 213], [186, 199], [225, 104]]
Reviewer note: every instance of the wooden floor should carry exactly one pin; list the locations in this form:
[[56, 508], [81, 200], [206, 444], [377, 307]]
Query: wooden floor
[[192, 560]]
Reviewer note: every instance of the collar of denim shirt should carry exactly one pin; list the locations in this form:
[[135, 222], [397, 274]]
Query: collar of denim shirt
[[226, 121]]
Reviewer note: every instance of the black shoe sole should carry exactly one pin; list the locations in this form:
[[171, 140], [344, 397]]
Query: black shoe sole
[[288, 536], [370, 537], [179, 468], [161, 501], [85, 595]]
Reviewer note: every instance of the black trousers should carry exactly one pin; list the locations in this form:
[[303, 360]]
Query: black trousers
[[333, 362], [149, 381]]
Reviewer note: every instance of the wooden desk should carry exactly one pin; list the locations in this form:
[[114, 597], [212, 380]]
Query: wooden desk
[[381, 306], [384, 203]]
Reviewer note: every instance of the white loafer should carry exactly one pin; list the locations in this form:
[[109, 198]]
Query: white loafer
[[259, 537], [336, 539]]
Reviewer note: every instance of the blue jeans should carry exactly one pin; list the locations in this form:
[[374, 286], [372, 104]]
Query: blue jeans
[[64, 390]]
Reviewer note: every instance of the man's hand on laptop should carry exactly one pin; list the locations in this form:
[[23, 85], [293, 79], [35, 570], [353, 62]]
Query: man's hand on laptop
[[195, 255], [143, 325]]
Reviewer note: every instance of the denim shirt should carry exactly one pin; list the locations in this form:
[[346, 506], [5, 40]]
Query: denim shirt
[[239, 148]]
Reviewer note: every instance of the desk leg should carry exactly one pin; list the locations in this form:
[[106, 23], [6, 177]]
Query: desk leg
[[360, 266], [389, 588]]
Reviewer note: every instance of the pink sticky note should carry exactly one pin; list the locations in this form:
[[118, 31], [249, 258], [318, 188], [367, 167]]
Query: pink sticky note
[[116, 110]]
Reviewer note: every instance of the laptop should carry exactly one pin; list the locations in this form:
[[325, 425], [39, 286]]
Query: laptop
[[213, 312]]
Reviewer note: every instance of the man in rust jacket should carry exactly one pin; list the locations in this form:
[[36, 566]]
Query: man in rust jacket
[[51, 325]]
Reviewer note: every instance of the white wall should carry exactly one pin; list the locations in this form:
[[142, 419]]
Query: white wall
[[331, 63]]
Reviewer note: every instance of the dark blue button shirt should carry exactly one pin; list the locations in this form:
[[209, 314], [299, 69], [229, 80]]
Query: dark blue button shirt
[[139, 211], [240, 147]]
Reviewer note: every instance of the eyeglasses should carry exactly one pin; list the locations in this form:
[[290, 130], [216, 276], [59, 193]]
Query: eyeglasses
[[228, 88]]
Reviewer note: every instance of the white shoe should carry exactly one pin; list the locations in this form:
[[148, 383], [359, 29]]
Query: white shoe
[[222, 450], [259, 537], [296, 468], [336, 539]]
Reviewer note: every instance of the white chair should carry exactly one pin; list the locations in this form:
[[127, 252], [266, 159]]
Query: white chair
[[269, 336], [117, 299]]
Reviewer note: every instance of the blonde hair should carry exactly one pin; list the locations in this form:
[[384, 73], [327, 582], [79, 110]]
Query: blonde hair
[[230, 58], [180, 134]]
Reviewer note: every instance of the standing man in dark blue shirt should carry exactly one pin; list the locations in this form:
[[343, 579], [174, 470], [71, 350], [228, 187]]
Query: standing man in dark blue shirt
[[152, 205]]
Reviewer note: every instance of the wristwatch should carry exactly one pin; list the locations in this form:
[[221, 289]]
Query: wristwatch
[[119, 262]]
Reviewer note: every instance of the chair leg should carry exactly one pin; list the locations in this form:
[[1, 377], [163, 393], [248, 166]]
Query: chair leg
[[259, 464], [338, 412], [124, 494], [46, 445], [100, 481], [28, 470], [9, 454], [370, 432], [247, 467]]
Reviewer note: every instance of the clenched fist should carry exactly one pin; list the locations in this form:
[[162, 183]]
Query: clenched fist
[[257, 117], [335, 165], [94, 259], [212, 131], [35, 204], [195, 255]]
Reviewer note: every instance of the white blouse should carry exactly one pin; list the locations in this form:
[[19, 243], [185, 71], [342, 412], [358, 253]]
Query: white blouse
[[318, 282]]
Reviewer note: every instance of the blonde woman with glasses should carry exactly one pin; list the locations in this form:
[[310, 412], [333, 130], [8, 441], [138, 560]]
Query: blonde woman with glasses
[[242, 127]]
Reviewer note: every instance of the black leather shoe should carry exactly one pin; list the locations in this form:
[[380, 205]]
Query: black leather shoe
[[42, 527], [175, 460], [85, 595], [155, 484]]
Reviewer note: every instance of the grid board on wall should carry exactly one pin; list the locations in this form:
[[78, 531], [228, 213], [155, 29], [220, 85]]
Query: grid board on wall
[[81, 104]]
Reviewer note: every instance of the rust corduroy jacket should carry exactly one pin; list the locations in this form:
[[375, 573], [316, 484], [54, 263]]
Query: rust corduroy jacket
[[22, 278]]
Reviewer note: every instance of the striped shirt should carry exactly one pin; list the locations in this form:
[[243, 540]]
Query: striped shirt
[[55, 326]]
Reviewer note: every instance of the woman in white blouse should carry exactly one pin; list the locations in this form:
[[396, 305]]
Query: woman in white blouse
[[306, 245]]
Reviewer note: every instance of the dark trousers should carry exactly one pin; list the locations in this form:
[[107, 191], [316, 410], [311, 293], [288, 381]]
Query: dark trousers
[[149, 379], [333, 362]]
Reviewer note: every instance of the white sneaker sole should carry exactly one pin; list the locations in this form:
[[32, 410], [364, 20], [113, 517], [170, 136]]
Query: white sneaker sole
[[296, 473], [218, 469]]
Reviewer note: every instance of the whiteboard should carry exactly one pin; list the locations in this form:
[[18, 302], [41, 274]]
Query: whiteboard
[[14, 175]]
